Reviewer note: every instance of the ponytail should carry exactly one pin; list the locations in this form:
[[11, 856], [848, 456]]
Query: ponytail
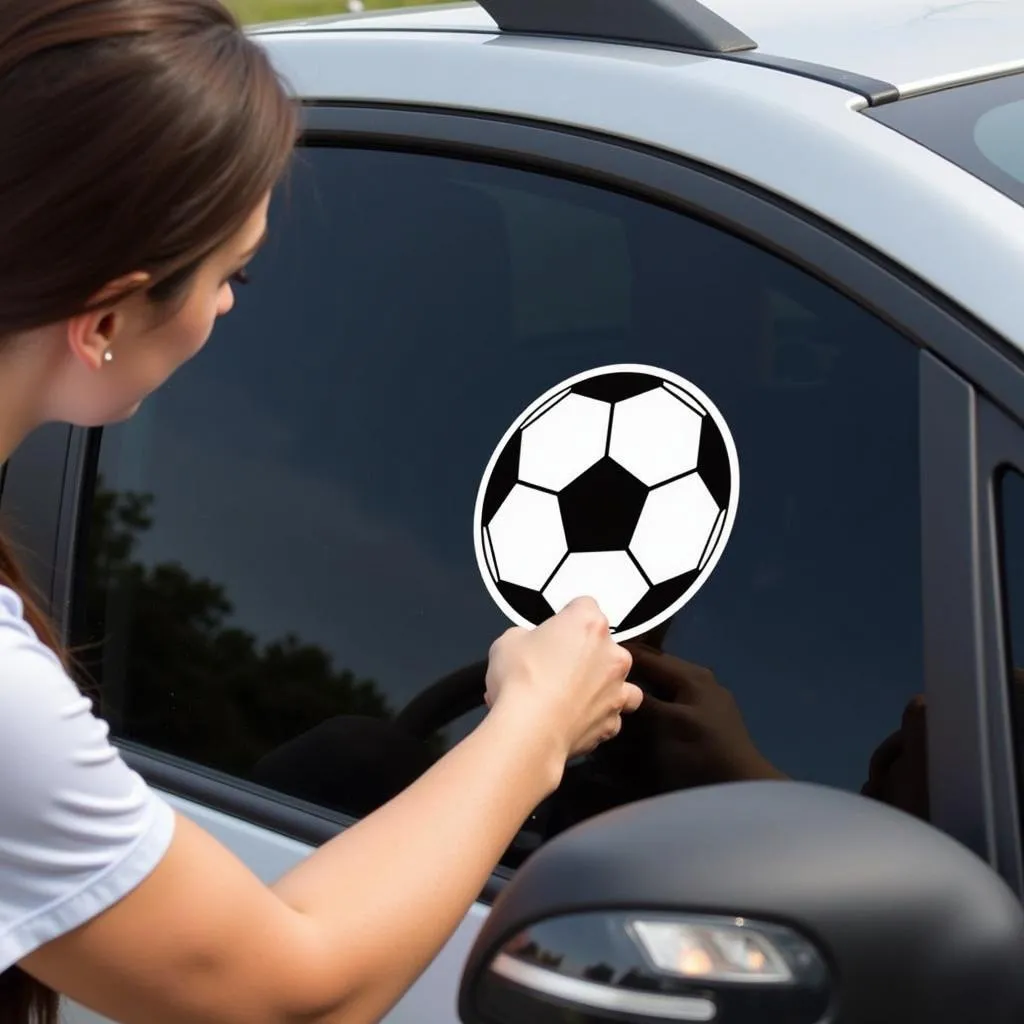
[[12, 577], [23, 1000]]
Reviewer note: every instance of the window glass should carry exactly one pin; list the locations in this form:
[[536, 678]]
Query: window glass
[[279, 561], [1011, 508], [977, 125]]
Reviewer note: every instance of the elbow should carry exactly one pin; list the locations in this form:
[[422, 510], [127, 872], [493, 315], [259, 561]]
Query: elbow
[[319, 993], [343, 1008], [327, 984]]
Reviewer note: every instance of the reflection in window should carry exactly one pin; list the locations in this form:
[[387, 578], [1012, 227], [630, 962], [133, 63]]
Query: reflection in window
[[279, 559], [998, 135], [976, 125]]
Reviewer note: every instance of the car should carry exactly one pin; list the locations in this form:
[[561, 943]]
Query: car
[[812, 213]]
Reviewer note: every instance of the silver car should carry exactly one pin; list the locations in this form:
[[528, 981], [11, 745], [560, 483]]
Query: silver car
[[815, 212]]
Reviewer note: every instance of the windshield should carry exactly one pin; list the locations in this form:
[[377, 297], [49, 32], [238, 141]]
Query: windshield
[[979, 127]]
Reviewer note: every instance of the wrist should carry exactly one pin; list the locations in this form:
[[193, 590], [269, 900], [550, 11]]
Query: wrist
[[540, 749]]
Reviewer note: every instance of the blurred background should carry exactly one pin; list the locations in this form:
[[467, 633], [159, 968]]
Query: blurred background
[[276, 10]]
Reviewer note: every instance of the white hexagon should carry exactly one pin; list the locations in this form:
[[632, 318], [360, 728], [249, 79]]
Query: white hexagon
[[527, 538], [564, 442], [674, 528], [609, 577], [656, 436]]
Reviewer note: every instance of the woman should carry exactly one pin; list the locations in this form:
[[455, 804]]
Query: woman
[[142, 140]]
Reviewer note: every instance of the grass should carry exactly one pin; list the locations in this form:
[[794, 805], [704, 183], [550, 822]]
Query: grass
[[275, 10]]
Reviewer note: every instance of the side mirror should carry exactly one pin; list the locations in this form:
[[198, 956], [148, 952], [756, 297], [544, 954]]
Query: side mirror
[[751, 903]]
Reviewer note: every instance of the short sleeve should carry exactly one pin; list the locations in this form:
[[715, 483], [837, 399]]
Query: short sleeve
[[78, 828]]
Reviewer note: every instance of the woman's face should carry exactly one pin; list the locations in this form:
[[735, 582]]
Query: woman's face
[[121, 355]]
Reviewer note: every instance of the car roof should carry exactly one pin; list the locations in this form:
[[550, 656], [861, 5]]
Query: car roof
[[915, 45]]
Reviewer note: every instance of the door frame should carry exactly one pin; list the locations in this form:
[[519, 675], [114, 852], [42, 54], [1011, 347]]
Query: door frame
[[970, 769]]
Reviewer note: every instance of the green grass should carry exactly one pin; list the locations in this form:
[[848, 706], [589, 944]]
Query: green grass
[[275, 10]]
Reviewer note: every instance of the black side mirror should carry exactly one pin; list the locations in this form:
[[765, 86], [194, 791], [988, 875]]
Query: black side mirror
[[751, 903]]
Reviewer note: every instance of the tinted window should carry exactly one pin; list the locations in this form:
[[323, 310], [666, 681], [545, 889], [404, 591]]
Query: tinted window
[[978, 126], [281, 555], [1011, 495]]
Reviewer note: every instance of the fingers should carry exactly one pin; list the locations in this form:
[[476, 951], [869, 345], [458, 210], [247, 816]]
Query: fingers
[[633, 697], [588, 611], [623, 661], [504, 640], [572, 661]]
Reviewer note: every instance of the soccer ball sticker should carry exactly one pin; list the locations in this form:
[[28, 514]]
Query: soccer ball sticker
[[620, 483]]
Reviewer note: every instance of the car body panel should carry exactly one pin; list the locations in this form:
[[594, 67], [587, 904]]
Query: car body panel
[[913, 44], [269, 856], [945, 226]]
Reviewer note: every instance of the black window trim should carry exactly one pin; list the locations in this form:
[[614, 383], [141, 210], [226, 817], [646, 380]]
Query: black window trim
[[34, 500], [1000, 447], [948, 336], [974, 784]]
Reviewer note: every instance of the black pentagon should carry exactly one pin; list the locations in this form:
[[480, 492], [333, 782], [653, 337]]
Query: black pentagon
[[616, 387], [713, 463], [600, 508], [503, 478], [657, 599], [527, 603]]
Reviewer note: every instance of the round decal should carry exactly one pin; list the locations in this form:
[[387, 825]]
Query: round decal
[[620, 484]]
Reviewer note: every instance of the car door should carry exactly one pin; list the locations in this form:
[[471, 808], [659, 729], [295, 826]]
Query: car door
[[273, 560]]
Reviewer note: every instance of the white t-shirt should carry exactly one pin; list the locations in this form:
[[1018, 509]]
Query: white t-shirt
[[78, 828]]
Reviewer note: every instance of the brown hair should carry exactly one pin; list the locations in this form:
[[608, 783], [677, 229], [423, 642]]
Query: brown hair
[[138, 135]]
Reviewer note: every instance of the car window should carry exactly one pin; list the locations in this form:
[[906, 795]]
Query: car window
[[278, 577], [1011, 515], [979, 126]]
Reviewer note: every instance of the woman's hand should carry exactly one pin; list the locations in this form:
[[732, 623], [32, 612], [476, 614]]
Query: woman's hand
[[568, 674]]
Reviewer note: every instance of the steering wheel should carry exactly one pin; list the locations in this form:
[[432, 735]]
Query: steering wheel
[[590, 785], [459, 692], [443, 701]]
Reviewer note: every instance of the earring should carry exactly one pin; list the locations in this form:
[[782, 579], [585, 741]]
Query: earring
[[108, 356]]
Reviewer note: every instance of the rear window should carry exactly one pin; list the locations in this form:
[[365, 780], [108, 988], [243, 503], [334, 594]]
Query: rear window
[[979, 127]]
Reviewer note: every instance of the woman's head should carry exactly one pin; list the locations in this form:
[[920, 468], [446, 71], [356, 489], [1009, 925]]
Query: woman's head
[[140, 142], [142, 139]]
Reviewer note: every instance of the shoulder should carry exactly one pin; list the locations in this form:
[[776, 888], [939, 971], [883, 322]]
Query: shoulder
[[15, 632], [51, 740], [31, 675], [78, 827], [36, 693]]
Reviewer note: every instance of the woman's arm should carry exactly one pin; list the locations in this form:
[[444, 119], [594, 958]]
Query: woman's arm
[[342, 936]]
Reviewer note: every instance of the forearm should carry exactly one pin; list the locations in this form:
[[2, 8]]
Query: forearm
[[341, 937], [386, 895]]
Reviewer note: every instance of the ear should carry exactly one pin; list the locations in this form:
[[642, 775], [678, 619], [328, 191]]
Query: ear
[[91, 334]]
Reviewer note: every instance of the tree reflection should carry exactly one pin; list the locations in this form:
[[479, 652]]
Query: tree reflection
[[174, 671]]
